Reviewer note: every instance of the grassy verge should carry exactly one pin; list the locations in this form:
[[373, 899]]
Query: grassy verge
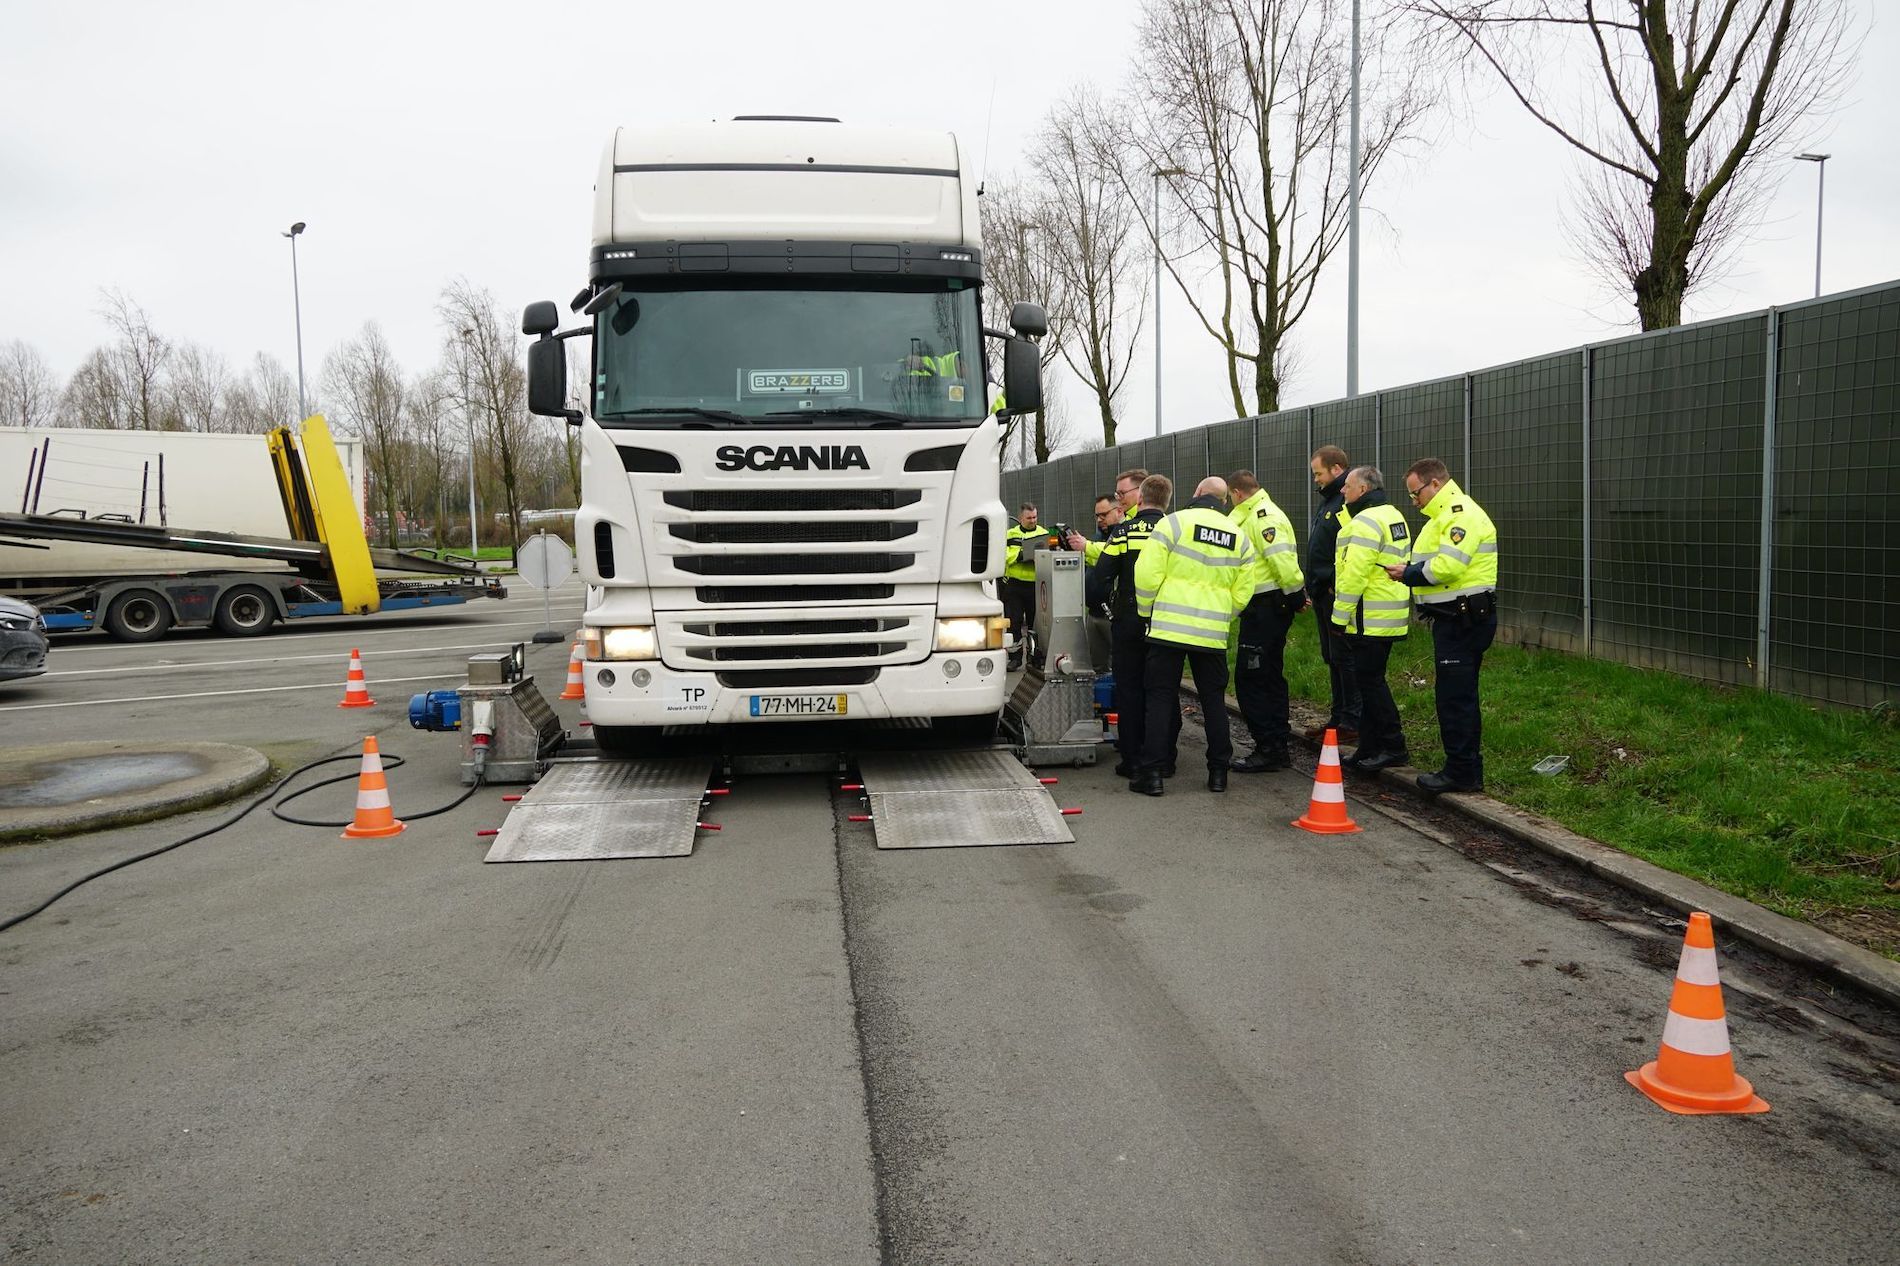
[[1794, 808]]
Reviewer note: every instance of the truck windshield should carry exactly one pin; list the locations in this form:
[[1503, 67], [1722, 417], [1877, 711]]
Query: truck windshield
[[853, 352]]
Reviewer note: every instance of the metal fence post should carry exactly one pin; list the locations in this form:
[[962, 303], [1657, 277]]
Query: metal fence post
[[1469, 474], [1312, 492], [1589, 623], [1378, 430], [1766, 584]]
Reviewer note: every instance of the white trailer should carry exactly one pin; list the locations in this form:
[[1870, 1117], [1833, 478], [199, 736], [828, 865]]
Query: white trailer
[[791, 475], [224, 483]]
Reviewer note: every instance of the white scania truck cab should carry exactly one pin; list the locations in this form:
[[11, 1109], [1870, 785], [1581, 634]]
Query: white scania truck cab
[[790, 471]]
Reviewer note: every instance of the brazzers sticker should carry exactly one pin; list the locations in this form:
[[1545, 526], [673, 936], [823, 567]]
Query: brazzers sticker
[[798, 382]]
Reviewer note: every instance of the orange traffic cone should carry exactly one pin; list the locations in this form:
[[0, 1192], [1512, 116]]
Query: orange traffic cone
[[1694, 1071], [576, 688], [374, 817], [356, 688], [1326, 810]]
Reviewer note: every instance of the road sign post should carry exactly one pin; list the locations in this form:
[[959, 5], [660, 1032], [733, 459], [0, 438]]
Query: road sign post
[[546, 562]]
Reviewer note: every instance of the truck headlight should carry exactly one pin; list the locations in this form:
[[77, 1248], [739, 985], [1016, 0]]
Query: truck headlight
[[633, 642], [971, 633]]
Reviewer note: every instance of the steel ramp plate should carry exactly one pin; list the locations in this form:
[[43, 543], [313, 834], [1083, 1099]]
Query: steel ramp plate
[[958, 800], [591, 810]]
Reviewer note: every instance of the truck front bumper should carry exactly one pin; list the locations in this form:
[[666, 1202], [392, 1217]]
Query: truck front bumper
[[648, 693]]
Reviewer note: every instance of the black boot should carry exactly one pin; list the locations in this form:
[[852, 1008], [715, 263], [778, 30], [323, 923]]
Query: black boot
[[1147, 782], [1262, 761], [1217, 779]]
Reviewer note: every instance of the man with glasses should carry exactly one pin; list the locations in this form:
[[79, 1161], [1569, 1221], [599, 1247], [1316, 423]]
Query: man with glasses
[[1329, 467], [1453, 575], [1108, 513]]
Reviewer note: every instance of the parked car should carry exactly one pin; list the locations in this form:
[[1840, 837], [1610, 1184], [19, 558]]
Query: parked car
[[22, 639]]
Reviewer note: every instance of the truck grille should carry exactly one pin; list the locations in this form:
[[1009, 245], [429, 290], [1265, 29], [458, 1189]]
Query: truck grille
[[734, 595], [792, 532], [792, 500], [793, 564], [897, 635]]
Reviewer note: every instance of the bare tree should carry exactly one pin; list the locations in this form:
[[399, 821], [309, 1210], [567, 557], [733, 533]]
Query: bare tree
[[1682, 102], [1018, 267], [142, 353], [363, 376], [194, 393], [429, 427], [494, 384], [1242, 106], [97, 394], [29, 390], [1095, 243]]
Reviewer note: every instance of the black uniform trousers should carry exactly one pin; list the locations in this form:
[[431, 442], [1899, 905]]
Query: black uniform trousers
[[1260, 671], [1345, 686], [1019, 604], [1458, 646], [1379, 731], [1163, 674]]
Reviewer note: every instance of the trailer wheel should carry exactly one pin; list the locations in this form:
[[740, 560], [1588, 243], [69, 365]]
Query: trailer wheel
[[628, 740], [245, 611], [138, 615]]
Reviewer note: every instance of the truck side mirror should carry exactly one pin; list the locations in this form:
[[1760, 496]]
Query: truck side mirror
[[1022, 377], [547, 378], [540, 318], [1029, 320]]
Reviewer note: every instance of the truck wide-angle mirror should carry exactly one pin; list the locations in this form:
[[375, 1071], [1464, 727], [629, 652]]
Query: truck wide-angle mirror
[[1028, 320], [1022, 377], [540, 318]]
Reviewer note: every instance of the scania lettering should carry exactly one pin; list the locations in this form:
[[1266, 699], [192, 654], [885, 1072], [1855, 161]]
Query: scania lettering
[[790, 473], [761, 457]]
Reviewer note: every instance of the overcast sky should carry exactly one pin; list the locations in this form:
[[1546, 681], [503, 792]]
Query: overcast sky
[[162, 149]]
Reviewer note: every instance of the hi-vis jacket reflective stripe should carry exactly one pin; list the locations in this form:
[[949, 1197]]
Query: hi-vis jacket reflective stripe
[[1270, 532], [1018, 563], [1367, 601], [1456, 554], [944, 366], [1119, 554], [1194, 575]]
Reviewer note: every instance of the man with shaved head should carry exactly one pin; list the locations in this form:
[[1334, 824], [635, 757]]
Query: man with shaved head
[[1194, 575]]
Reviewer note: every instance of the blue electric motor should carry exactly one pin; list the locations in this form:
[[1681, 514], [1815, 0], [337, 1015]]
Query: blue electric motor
[[437, 711]]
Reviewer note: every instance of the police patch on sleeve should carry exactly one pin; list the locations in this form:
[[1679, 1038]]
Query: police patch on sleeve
[[1457, 536], [1206, 535], [1268, 535], [1400, 531]]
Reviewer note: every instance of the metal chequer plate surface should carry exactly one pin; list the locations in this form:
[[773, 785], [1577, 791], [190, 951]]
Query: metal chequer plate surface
[[590, 810], [958, 800]]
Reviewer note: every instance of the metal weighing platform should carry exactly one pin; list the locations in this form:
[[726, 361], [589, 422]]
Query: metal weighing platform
[[591, 810], [958, 800]]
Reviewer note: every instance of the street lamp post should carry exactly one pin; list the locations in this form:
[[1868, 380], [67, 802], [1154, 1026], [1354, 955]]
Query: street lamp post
[[296, 293], [1158, 174], [1820, 205], [1352, 223]]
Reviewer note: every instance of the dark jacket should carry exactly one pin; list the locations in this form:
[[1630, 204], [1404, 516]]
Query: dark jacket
[[1119, 556], [1322, 535], [1097, 582]]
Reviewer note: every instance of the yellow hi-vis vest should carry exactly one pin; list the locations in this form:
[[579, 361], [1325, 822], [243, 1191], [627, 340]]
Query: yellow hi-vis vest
[[1018, 563], [1457, 548], [1270, 532], [1366, 600], [1194, 575]]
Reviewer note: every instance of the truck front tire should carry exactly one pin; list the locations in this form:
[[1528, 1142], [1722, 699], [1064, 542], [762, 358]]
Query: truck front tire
[[138, 615], [245, 611]]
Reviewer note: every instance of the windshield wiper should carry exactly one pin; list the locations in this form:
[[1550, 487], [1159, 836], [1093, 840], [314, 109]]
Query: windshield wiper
[[848, 411], [685, 410]]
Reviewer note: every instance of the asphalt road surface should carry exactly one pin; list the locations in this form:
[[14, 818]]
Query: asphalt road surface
[[1195, 1035]]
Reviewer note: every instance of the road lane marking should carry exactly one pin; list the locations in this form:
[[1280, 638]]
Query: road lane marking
[[174, 666], [115, 645], [212, 694]]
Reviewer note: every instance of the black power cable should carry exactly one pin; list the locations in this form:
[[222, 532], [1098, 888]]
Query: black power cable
[[389, 762]]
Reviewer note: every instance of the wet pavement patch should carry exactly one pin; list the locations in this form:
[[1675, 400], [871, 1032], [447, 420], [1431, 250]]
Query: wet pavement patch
[[78, 779], [65, 788]]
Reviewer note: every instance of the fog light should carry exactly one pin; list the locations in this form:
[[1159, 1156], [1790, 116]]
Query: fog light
[[641, 678], [605, 677], [952, 667], [985, 666]]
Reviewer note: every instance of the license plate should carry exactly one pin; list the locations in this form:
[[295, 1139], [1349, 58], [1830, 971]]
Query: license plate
[[798, 705]]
